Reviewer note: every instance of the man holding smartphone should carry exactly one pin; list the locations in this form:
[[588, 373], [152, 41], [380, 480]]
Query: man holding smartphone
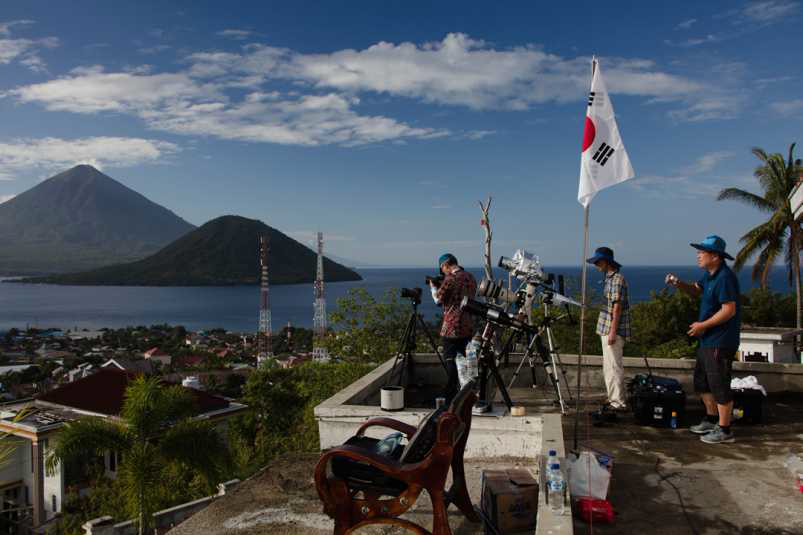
[[717, 328]]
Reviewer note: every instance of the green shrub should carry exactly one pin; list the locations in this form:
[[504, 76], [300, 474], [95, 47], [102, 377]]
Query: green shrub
[[282, 401]]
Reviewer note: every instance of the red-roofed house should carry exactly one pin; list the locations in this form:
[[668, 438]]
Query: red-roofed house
[[157, 355], [23, 480]]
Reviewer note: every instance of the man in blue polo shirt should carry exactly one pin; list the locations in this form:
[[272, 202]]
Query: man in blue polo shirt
[[717, 328]]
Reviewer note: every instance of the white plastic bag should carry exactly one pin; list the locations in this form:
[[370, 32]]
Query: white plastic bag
[[463, 371], [586, 467]]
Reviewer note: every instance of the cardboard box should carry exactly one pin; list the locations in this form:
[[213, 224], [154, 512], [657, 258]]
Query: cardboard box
[[510, 499]]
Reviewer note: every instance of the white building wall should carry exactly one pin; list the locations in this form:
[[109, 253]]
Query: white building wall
[[54, 486]]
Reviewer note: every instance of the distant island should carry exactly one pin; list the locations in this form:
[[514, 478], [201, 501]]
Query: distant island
[[78, 220], [222, 252]]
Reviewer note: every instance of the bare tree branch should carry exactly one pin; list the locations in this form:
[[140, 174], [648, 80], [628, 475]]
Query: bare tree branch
[[486, 224]]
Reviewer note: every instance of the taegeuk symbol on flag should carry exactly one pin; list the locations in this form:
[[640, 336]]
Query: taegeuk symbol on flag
[[604, 161]]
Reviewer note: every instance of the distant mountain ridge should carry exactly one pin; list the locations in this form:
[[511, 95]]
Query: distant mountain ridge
[[223, 251], [81, 219]]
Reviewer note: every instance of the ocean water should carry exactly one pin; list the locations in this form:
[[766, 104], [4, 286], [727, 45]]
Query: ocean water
[[236, 307]]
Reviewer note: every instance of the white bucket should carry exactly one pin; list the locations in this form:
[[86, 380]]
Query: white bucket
[[391, 398]]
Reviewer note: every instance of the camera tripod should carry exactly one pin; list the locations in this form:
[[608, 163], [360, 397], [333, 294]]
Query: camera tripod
[[404, 364], [545, 355]]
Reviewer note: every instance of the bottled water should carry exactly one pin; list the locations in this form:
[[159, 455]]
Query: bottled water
[[472, 356], [462, 369], [556, 487], [552, 458]]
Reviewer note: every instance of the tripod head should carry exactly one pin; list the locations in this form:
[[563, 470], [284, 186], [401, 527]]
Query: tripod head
[[413, 294]]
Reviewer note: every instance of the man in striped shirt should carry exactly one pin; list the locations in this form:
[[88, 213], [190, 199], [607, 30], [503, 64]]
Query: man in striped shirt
[[613, 326]]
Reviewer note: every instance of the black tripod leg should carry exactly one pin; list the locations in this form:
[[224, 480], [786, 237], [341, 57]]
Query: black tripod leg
[[498, 378], [432, 342], [548, 366], [403, 355]]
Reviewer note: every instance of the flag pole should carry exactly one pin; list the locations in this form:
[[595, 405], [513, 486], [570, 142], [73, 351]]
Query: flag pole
[[586, 210], [582, 323]]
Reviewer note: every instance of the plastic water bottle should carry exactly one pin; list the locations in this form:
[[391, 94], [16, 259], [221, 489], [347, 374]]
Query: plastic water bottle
[[673, 423], [556, 485], [472, 356], [552, 458]]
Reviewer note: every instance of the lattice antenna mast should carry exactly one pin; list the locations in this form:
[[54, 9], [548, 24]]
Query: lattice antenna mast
[[264, 334], [319, 320]]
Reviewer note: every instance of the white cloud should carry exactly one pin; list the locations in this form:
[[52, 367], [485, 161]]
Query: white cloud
[[53, 153], [707, 162], [5, 27], [463, 71], [788, 108], [245, 95], [153, 49], [479, 134], [4, 198], [767, 12], [237, 35], [692, 181], [686, 24], [752, 17], [25, 51]]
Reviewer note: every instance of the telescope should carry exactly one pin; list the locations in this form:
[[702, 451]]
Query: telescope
[[495, 315]]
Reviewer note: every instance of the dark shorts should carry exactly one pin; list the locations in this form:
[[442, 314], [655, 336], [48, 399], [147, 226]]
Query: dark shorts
[[451, 347], [712, 374]]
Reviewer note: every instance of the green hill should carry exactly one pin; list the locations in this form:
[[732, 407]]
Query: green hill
[[222, 252], [81, 219]]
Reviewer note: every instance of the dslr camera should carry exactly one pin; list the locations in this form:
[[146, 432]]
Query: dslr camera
[[434, 281], [413, 294]]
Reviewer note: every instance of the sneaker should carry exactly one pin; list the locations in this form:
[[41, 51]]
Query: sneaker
[[717, 436], [703, 428]]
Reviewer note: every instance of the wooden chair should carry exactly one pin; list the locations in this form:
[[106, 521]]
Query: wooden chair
[[359, 487]]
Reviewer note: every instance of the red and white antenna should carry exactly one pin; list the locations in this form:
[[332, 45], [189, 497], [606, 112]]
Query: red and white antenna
[[264, 333], [319, 319]]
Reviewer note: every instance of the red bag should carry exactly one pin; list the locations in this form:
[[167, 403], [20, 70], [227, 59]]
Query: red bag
[[596, 511]]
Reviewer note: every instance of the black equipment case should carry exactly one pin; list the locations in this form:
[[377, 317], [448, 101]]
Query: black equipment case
[[654, 399], [748, 406]]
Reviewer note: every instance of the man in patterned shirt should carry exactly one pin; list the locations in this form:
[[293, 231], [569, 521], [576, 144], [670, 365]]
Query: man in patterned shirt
[[458, 326], [613, 326]]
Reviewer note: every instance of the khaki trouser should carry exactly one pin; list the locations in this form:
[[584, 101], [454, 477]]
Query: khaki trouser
[[614, 371]]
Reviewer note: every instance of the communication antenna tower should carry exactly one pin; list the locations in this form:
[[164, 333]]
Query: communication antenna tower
[[264, 334], [319, 320]]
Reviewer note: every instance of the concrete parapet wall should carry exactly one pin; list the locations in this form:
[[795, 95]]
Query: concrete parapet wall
[[492, 435], [163, 520], [775, 377]]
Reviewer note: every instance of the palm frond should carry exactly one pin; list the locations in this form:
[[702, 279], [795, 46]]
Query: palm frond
[[765, 262], [754, 240], [736, 194], [198, 445], [150, 406], [93, 436]]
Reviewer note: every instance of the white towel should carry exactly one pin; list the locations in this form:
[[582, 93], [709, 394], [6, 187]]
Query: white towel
[[749, 382]]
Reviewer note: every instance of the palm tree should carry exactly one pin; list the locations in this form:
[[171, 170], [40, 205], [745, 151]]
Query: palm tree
[[156, 430], [781, 234]]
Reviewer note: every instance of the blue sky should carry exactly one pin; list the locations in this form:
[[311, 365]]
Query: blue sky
[[383, 123]]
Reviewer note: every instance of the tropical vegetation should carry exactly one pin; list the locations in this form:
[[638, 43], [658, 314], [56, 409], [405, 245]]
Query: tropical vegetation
[[156, 438], [780, 236]]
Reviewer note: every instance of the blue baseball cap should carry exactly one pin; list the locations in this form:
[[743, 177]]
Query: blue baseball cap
[[713, 244], [604, 253], [447, 257]]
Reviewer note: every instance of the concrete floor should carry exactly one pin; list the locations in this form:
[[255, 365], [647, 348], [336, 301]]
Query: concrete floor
[[281, 500], [740, 488]]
